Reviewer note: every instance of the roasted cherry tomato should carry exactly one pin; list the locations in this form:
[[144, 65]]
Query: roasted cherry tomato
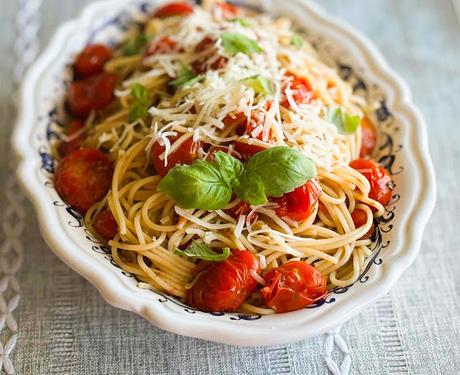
[[93, 93], [66, 148], [162, 45], [174, 9], [185, 154], [224, 286], [300, 89], [241, 209], [299, 204], [244, 127], [359, 219], [91, 60], [368, 138], [83, 178], [293, 286], [228, 10], [106, 225], [205, 63], [378, 177]]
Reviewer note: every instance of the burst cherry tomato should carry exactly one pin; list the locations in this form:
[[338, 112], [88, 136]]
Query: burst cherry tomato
[[224, 286], [91, 60], [299, 204], [301, 91], [93, 93], [241, 209], [83, 178], [174, 9], [66, 148], [106, 225], [378, 177], [368, 138], [293, 286], [244, 127], [228, 10], [161, 46], [203, 65], [359, 219], [185, 154]]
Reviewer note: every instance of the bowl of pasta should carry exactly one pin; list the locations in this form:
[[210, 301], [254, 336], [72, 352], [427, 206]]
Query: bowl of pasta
[[251, 173]]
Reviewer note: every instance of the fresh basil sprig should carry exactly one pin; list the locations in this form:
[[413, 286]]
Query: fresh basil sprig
[[345, 123], [242, 21], [186, 77], [260, 84], [236, 42], [209, 185], [296, 40], [135, 45], [140, 106], [200, 250]]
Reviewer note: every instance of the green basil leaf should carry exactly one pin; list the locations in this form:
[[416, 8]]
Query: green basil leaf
[[236, 42], [186, 78], [200, 185], [230, 168], [135, 45], [281, 169], [139, 107], [242, 21], [345, 123], [297, 40], [259, 84], [251, 189], [200, 250]]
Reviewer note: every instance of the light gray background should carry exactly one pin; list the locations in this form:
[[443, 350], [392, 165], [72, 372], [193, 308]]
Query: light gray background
[[65, 326]]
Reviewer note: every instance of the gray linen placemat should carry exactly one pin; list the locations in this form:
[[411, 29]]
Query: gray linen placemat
[[64, 326]]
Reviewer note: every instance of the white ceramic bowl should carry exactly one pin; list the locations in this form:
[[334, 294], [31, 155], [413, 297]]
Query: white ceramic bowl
[[403, 148]]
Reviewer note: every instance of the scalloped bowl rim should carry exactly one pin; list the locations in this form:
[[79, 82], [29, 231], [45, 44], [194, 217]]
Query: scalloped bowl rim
[[117, 294]]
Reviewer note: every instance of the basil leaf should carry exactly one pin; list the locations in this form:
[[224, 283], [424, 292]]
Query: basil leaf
[[281, 169], [186, 78], [345, 123], [259, 84], [242, 21], [200, 250], [140, 106], [251, 189], [236, 42], [297, 40], [200, 185], [230, 168], [135, 45]]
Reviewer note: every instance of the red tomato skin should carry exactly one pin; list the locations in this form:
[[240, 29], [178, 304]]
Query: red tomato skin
[[66, 148], [83, 178], [359, 219], [93, 93], [302, 91], [187, 153], [242, 208], [228, 10], [224, 286], [178, 8], [91, 60], [161, 46], [246, 150], [379, 179], [105, 225], [293, 286], [299, 204], [368, 138], [202, 65]]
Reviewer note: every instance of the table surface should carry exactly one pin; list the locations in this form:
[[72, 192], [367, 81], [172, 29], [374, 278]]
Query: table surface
[[64, 326]]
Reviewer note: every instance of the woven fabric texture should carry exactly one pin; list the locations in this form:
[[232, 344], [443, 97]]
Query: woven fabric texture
[[65, 327]]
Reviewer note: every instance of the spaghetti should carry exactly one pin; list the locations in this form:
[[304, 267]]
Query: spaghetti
[[194, 81]]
